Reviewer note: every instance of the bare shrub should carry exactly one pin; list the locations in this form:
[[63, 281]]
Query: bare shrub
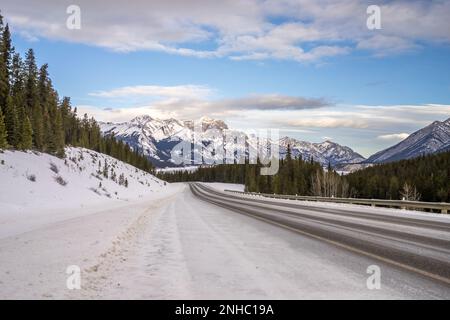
[[409, 192], [54, 168], [96, 191], [97, 176], [31, 177], [61, 181]]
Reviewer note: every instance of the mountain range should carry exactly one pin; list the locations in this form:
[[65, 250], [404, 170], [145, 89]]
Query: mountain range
[[157, 137], [431, 139]]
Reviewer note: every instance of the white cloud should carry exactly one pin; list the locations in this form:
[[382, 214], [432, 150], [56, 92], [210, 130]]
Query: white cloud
[[273, 110], [184, 91], [394, 136], [385, 45], [191, 102], [242, 30], [330, 122]]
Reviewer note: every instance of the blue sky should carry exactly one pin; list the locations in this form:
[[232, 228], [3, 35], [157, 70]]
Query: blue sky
[[363, 88]]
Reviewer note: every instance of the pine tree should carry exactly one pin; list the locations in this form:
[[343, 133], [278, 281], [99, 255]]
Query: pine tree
[[11, 122], [58, 134], [17, 89], [26, 137], [3, 133], [34, 109], [5, 61]]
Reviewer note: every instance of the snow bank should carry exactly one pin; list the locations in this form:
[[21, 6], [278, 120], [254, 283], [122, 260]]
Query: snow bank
[[189, 169], [225, 186], [37, 188]]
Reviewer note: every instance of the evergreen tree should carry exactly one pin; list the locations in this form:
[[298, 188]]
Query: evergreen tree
[[5, 61], [3, 133], [26, 137], [58, 134], [428, 176], [11, 122], [17, 96], [34, 109]]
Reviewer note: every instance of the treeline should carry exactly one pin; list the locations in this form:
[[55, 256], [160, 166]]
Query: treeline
[[425, 178], [295, 176], [227, 173], [32, 116]]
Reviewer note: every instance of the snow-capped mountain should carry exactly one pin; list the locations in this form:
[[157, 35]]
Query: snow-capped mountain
[[431, 139], [324, 152], [157, 137]]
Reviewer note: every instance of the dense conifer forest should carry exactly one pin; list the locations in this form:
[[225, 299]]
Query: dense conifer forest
[[295, 176], [426, 178], [32, 116]]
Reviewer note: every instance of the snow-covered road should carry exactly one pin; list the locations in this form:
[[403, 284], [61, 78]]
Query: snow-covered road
[[182, 247]]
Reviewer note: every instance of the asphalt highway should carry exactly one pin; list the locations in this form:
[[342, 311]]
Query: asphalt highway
[[415, 244]]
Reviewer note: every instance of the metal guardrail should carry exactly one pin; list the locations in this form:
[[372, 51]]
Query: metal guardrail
[[443, 207]]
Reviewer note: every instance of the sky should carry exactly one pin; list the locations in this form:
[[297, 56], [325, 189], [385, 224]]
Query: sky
[[313, 69]]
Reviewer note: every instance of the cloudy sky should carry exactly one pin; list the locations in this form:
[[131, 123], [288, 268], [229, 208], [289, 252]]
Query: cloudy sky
[[310, 68]]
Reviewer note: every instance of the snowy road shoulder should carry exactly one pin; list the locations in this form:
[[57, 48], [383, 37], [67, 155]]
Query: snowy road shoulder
[[34, 263]]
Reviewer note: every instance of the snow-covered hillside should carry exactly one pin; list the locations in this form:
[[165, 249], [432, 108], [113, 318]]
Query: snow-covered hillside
[[157, 137], [33, 184]]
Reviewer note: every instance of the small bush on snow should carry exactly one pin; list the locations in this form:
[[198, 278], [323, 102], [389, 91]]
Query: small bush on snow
[[31, 177], [95, 190], [54, 167], [60, 180]]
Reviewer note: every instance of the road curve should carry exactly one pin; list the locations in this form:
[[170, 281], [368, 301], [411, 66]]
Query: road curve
[[418, 245]]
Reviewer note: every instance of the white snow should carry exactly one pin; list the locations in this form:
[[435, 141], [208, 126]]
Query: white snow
[[46, 227], [34, 263], [177, 169], [25, 204], [225, 186]]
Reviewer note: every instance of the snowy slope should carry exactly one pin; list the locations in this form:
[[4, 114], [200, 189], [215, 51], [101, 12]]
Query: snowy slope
[[156, 138], [324, 152], [80, 186], [431, 139]]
